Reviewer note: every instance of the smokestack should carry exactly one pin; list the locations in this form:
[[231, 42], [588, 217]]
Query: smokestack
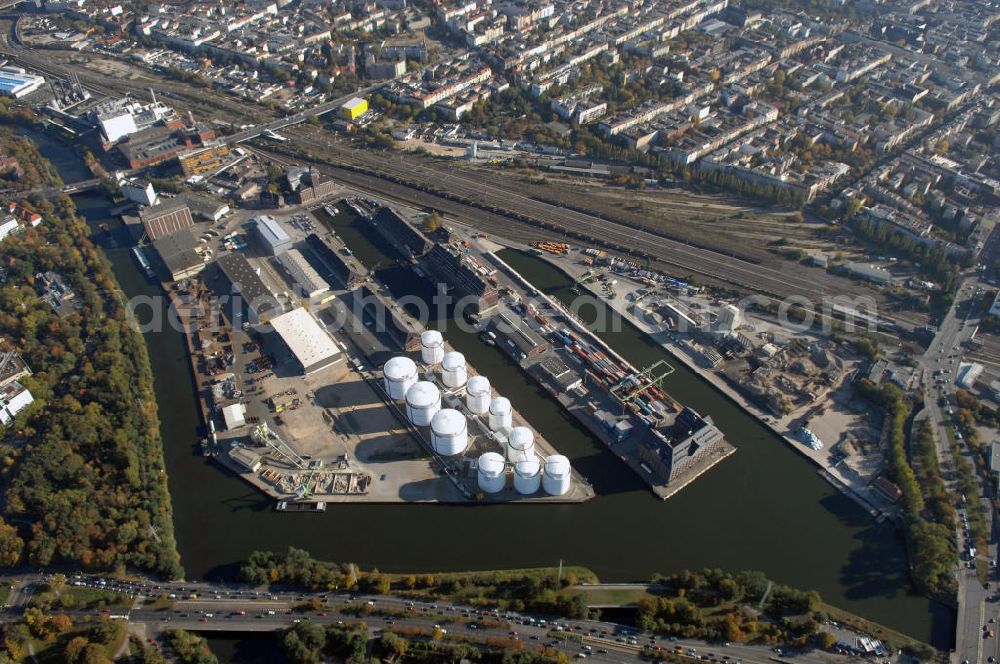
[[191, 117], [152, 94]]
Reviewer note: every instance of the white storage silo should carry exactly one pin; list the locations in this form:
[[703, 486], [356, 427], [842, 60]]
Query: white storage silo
[[527, 476], [520, 442], [500, 414], [423, 401], [492, 477], [431, 347], [453, 371], [400, 373], [477, 395], [556, 478], [449, 432]]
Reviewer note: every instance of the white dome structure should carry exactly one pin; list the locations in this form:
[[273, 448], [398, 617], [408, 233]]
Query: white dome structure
[[477, 395], [520, 443], [449, 432], [453, 371], [527, 476], [423, 401], [492, 478], [400, 374], [501, 414], [431, 347], [556, 478]]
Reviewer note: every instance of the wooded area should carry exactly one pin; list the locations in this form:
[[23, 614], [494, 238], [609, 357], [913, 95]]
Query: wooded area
[[82, 468]]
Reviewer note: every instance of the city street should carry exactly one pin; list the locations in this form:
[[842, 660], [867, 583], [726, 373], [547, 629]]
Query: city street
[[978, 608]]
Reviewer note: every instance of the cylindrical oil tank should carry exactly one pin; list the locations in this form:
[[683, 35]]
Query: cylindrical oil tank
[[477, 395], [431, 347], [500, 414], [400, 373], [453, 371], [520, 442], [527, 475], [449, 432], [492, 477], [423, 401], [556, 478]]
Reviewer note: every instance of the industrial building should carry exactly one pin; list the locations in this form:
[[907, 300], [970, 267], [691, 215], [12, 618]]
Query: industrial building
[[354, 108], [16, 83], [302, 274], [402, 333], [270, 235], [178, 255], [668, 450], [449, 268], [310, 344], [344, 269], [118, 118], [514, 337], [162, 220], [559, 374], [309, 185], [235, 276], [407, 239], [139, 191], [161, 143], [209, 159]]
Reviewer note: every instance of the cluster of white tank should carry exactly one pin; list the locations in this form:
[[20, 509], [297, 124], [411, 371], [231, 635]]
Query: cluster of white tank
[[530, 474], [449, 428]]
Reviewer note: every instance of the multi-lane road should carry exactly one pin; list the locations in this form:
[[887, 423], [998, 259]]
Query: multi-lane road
[[207, 607], [978, 608]]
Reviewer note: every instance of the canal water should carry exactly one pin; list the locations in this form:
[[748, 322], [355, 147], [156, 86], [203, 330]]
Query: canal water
[[762, 508]]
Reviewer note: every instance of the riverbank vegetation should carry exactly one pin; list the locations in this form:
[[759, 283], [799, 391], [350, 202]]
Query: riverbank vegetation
[[929, 536], [82, 468], [708, 604], [537, 589], [190, 648], [310, 643]]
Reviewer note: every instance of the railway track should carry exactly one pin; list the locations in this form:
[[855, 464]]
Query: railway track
[[468, 199]]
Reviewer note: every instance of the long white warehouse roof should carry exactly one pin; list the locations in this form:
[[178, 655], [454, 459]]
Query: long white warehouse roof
[[303, 273], [304, 336]]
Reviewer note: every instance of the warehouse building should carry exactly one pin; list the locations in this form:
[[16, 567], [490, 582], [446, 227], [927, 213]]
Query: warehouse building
[[449, 268], [343, 269], [166, 218], [400, 233], [178, 255], [515, 338], [305, 278], [271, 236], [308, 342], [235, 276]]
